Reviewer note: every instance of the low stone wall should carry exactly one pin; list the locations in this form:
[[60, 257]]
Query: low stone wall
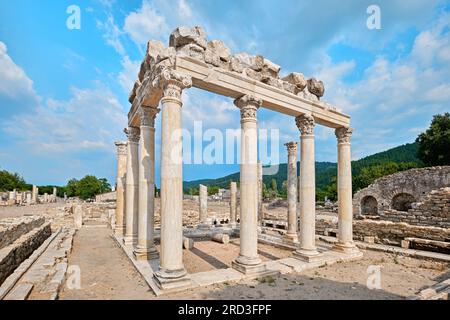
[[388, 232], [12, 229], [106, 197], [12, 255]]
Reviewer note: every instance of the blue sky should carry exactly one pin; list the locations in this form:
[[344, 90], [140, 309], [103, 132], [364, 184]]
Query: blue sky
[[63, 93]]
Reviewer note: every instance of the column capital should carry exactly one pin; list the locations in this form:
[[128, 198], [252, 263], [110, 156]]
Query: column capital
[[172, 83], [305, 123], [121, 147], [132, 133], [291, 147], [248, 104], [343, 134], [148, 116]]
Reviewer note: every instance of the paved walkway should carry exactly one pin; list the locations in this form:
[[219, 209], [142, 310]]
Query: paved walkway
[[106, 273]]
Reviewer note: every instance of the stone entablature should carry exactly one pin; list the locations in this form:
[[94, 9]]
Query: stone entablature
[[399, 191]]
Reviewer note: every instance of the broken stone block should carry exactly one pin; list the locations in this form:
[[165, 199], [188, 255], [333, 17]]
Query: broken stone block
[[270, 69], [316, 87], [133, 92], [307, 95], [218, 54], [183, 36], [188, 243], [244, 60], [296, 79], [193, 51], [221, 238]]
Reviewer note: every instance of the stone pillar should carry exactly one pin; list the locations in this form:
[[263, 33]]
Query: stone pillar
[[307, 250], [260, 195], [233, 203], [172, 272], [344, 181], [29, 197], [248, 261], [131, 188], [120, 190], [54, 193], [145, 249], [45, 197], [291, 235], [34, 194], [203, 206]]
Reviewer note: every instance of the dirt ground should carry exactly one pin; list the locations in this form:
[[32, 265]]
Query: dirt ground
[[106, 273]]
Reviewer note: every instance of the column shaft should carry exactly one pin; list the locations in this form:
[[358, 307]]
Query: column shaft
[[233, 202], [120, 187], [345, 211], [291, 234], [307, 249], [145, 248], [132, 192]]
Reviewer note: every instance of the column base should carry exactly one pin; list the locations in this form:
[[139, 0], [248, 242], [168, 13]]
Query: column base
[[290, 238], [249, 266], [307, 255], [177, 279], [129, 240], [348, 247], [119, 231], [141, 253]]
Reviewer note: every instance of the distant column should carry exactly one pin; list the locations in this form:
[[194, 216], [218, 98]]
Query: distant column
[[120, 189], [203, 205], [145, 249], [291, 235], [131, 190], [34, 194], [307, 250], [233, 203], [345, 211]]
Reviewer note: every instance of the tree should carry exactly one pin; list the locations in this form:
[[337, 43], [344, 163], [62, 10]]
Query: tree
[[434, 144], [212, 190], [274, 186], [72, 188], [10, 181]]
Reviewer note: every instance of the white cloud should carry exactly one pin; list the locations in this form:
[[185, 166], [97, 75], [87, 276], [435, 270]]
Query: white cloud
[[184, 10], [14, 82], [128, 74], [112, 34], [90, 120], [145, 24]]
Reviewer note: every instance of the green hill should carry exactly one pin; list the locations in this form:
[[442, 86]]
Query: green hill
[[405, 156]]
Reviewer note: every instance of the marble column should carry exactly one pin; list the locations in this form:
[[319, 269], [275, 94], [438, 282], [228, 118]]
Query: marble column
[[291, 235], [120, 189], [307, 249], [145, 249], [260, 195], [233, 203], [203, 206], [172, 272], [248, 261], [34, 194], [344, 181], [131, 188]]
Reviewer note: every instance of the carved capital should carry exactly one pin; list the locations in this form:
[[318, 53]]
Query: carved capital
[[172, 83], [148, 116], [121, 147], [305, 124], [133, 134], [291, 147], [249, 105], [343, 134]]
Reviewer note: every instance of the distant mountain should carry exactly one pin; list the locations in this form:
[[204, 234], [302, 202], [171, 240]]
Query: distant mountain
[[325, 171]]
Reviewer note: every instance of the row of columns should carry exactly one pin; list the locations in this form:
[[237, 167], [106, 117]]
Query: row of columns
[[136, 186]]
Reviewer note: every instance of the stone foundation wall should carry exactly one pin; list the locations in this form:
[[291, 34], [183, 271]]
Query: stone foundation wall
[[13, 254], [13, 228], [388, 232]]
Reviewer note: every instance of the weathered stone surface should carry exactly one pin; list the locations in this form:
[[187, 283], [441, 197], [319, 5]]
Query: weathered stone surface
[[183, 36], [316, 87], [218, 54], [296, 79], [13, 228]]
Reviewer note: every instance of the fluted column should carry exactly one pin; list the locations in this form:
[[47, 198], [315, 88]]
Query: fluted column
[[248, 260], [291, 235], [233, 203], [344, 181], [172, 272], [307, 249], [131, 189], [145, 249], [260, 195], [120, 189]]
